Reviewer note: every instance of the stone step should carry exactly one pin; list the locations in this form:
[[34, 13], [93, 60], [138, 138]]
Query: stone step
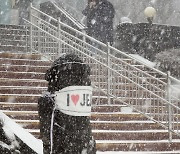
[[39, 90], [117, 117], [104, 116], [132, 146], [10, 89], [17, 43], [23, 82], [112, 135], [35, 133], [14, 31], [132, 135], [26, 115], [9, 61], [103, 100], [19, 98], [22, 115], [20, 55], [95, 108], [125, 116], [125, 125], [29, 98], [139, 146], [125, 109], [21, 75], [13, 48], [96, 100], [31, 90], [115, 127], [105, 125], [29, 124], [33, 106], [12, 73], [23, 68], [13, 37], [18, 106], [16, 27]]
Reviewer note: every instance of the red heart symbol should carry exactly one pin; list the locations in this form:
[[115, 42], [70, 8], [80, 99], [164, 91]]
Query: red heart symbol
[[75, 99]]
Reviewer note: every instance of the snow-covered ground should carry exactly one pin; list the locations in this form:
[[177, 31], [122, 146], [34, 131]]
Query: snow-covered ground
[[36, 144], [152, 152]]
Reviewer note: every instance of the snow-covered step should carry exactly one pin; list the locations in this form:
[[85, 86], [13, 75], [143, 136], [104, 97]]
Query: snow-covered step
[[29, 125], [107, 126], [13, 38], [8, 112], [28, 97], [116, 127], [22, 91], [13, 61], [11, 47], [21, 75], [20, 55], [34, 132], [18, 106], [22, 115], [125, 125], [22, 82], [136, 152], [132, 134], [23, 68], [13, 31], [7, 42], [146, 133], [132, 146], [23, 88], [142, 146]]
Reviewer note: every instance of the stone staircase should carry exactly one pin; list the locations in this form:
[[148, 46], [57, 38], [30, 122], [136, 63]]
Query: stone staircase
[[115, 127], [13, 38]]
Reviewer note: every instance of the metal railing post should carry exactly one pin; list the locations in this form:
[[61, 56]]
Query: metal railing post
[[27, 39], [30, 32], [169, 106], [108, 73], [59, 37], [84, 38], [39, 36]]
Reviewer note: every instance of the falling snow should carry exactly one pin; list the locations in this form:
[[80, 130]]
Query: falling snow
[[127, 12]]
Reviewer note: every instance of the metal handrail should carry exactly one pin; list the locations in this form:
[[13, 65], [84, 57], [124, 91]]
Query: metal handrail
[[102, 44], [120, 81], [72, 11], [76, 22]]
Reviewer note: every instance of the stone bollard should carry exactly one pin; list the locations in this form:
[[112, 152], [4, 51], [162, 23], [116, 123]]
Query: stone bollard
[[64, 110]]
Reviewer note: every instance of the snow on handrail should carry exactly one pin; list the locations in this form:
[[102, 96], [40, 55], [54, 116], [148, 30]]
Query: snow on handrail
[[22, 134]]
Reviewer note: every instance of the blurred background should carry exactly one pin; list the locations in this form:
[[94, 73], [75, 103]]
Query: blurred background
[[168, 11]]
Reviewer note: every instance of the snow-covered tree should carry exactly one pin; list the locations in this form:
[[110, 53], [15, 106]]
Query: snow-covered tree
[[169, 60]]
